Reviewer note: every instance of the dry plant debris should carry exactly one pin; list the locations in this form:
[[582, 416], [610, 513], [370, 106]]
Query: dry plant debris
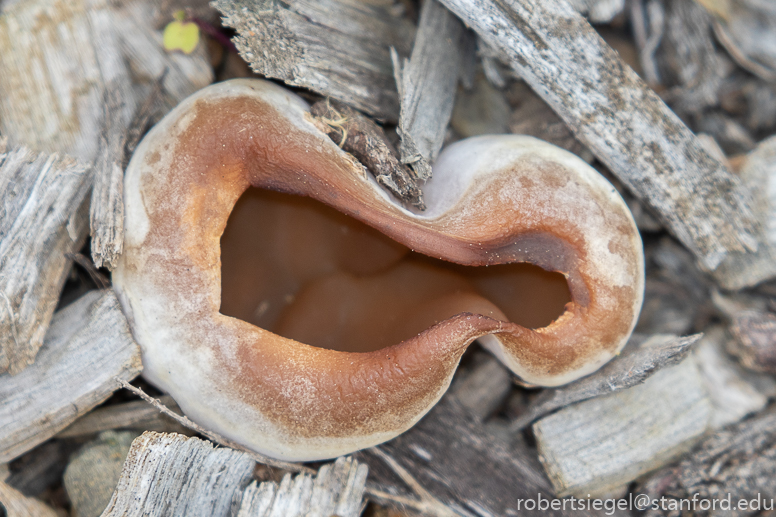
[[691, 144]]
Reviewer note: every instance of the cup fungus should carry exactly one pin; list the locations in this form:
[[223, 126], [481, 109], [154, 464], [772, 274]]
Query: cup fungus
[[492, 200]]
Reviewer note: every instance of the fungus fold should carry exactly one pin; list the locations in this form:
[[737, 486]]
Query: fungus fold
[[345, 368]]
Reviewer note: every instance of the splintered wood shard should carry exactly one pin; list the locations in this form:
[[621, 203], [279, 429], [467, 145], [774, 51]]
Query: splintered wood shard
[[334, 47], [427, 85], [87, 346], [43, 218], [214, 482], [337, 489], [170, 474], [112, 53], [628, 127]]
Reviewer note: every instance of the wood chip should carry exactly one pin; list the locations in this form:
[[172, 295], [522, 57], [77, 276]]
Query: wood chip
[[170, 474], [736, 462], [588, 448], [101, 42], [628, 127], [427, 83], [462, 464], [43, 218], [337, 489], [337, 48], [641, 358], [365, 140], [87, 346]]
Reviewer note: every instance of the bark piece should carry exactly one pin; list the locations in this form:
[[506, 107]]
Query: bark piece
[[337, 489], [106, 215], [463, 465], [736, 463], [427, 84], [628, 128], [365, 140], [334, 47], [93, 472], [588, 448], [170, 474], [87, 347], [42, 220], [641, 358]]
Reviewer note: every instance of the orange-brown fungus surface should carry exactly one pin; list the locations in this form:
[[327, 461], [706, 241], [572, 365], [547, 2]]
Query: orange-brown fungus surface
[[303, 270]]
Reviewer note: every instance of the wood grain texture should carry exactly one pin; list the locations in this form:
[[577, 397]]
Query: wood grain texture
[[88, 346], [170, 474], [338, 48], [337, 489], [427, 84], [464, 465], [100, 60], [588, 448], [43, 218], [628, 127], [641, 358]]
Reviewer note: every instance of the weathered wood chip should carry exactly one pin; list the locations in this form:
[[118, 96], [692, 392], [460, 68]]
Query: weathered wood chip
[[337, 48], [629, 128], [588, 448], [427, 83], [641, 358], [86, 348], [170, 474], [337, 489], [42, 219]]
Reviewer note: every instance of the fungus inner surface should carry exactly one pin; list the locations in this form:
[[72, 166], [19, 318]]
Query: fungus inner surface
[[298, 268]]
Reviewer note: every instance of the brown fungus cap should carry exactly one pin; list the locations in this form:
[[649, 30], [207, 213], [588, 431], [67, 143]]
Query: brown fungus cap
[[492, 200]]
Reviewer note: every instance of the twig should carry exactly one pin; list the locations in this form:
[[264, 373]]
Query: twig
[[98, 278], [427, 504], [184, 421]]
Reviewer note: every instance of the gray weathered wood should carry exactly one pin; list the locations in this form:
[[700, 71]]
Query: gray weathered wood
[[337, 489], [136, 415], [337, 48], [588, 448], [89, 47], [87, 347], [42, 219], [733, 391], [737, 462], [427, 83], [463, 464], [170, 474], [100, 41], [628, 127], [106, 214], [641, 358]]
